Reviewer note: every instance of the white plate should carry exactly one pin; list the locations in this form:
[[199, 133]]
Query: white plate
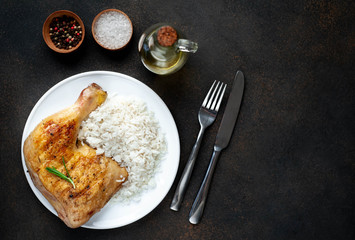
[[65, 94]]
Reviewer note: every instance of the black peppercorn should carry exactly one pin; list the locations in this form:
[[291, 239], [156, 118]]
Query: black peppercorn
[[62, 32]]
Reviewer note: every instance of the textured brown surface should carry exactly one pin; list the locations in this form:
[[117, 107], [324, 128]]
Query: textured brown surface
[[166, 36], [289, 170]]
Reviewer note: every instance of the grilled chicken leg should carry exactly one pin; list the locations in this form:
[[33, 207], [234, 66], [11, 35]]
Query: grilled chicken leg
[[96, 177]]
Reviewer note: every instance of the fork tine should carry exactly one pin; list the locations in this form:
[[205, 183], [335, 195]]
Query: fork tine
[[218, 98], [213, 95], [208, 95]]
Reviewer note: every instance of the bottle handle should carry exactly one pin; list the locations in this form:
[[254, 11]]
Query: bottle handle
[[185, 45]]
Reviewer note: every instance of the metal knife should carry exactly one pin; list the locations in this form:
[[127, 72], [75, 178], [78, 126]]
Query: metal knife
[[222, 140]]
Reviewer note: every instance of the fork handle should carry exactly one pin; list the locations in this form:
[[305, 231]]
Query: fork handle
[[186, 175], [200, 200]]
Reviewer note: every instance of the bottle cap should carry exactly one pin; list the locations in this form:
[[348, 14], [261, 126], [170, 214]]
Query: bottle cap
[[167, 36]]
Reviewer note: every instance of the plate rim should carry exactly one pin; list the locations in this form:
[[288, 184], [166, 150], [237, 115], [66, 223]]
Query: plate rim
[[27, 131]]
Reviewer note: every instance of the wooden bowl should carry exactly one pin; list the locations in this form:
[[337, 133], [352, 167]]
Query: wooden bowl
[[97, 40], [45, 30]]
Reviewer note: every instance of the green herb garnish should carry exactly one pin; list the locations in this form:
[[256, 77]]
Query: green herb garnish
[[61, 175]]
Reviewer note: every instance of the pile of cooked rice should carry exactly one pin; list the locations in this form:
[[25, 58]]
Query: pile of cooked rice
[[123, 128]]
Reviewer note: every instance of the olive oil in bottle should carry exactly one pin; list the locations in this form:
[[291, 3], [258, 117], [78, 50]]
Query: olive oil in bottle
[[162, 51]]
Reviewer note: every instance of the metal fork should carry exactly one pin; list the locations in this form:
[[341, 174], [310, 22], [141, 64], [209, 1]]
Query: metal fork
[[206, 116]]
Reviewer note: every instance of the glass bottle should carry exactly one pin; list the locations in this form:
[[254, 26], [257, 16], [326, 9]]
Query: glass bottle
[[163, 50]]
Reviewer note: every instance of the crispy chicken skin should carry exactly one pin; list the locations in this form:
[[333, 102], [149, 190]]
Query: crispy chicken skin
[[96, 177]]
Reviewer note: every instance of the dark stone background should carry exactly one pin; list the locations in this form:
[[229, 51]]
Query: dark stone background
[[288, 172]]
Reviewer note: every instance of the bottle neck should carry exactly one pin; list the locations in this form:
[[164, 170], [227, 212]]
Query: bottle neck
[[161, 53]]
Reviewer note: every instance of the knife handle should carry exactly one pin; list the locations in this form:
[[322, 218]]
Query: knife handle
[[200, 200], [186, 175]]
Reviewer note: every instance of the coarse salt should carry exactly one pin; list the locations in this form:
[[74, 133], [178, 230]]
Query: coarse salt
[[113, 29]]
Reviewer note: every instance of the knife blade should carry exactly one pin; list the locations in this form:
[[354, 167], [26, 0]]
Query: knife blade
[[231, 112], [223, 137]]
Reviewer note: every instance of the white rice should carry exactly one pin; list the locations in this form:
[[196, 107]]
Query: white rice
[[123, 128]]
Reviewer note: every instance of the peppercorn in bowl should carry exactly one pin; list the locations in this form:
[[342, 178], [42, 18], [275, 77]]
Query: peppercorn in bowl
[[63, 31]]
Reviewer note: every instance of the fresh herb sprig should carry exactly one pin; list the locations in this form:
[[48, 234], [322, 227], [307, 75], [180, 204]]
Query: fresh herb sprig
[[61, 175]]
